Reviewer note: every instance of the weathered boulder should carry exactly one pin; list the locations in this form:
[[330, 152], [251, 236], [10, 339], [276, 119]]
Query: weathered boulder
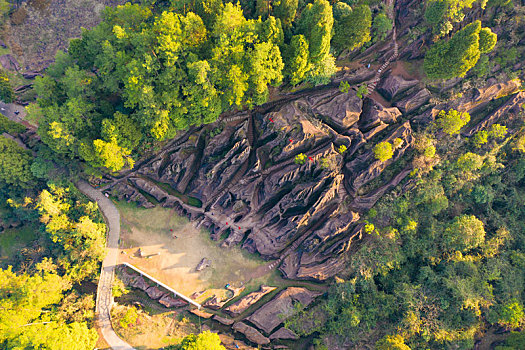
[[139, 283], [225, 321], [154, 292], [273, 313], [9, 63], [124, 191], [365, 203], [23, 88], [215, 303], [323, 271], [283, 333], [245, 302], [31, 75], [355, 76], [484, 95], [201, 313], [339, 110], [150, 188], [514, 103], [230, 343], [375, 114], [251, 333], [168, 301], [364, 168], [413, 102], [394, 85], [204, 263]]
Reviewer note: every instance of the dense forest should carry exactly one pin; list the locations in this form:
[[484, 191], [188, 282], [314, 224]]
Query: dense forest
[[445, 263]]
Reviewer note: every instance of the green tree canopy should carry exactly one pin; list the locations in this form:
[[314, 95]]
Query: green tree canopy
[[15, 164], [78, 238], [138, 77], [296, 58], [487, 40], [464, 233], [203, 341], [436, 11], [315, 24], [510, 314], [6, 90], [286, 11], [353, 30], [470, 162], [392, 342], [381, 25], [453, 58]]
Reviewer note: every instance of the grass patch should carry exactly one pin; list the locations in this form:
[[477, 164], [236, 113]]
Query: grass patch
[[151, 331], [194, 202], [11, 240]]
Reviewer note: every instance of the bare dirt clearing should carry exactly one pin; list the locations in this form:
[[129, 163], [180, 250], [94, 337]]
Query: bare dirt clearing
[[150, 230], [40, 28]]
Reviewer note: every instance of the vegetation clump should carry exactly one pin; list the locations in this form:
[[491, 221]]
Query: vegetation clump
[[383, 151]]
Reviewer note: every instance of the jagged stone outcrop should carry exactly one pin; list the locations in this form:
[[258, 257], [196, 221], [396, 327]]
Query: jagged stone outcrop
[[225, 321], [340, 110], [215, 303], [124, 191], [273, 313], [245, 302], [9, 63], [31, 75], [244, 172], [413, 102], [283, 333], [171, 302], [364, 168], [511, 106], [374, 114], [394, 85], [139, 283], [204, 263], [251, 333], [201, 313], [365, 203], [159, 194], [483, 95], [154, 293]]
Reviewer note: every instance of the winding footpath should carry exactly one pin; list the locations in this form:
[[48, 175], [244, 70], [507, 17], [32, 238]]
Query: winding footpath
[[104, 296]]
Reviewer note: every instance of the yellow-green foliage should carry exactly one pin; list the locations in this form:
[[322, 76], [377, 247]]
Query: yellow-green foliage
[[383, 151], [130, 317], [300, 159], [452, 121]]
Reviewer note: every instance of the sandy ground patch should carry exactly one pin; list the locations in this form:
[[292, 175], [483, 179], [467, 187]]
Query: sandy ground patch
[[150, 230]]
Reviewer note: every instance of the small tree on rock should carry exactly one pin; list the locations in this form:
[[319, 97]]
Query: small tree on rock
[[383, 151], [452, 121]]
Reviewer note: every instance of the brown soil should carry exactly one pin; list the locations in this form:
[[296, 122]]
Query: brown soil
[[149, 230], [152, 331], [408, 73], [40, 28]]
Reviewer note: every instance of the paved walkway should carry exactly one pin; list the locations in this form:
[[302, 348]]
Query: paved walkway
[[104, 297]]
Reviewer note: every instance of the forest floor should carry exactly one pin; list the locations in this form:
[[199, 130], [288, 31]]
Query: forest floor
[[39, 28], [152, 330], [13, 239]]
